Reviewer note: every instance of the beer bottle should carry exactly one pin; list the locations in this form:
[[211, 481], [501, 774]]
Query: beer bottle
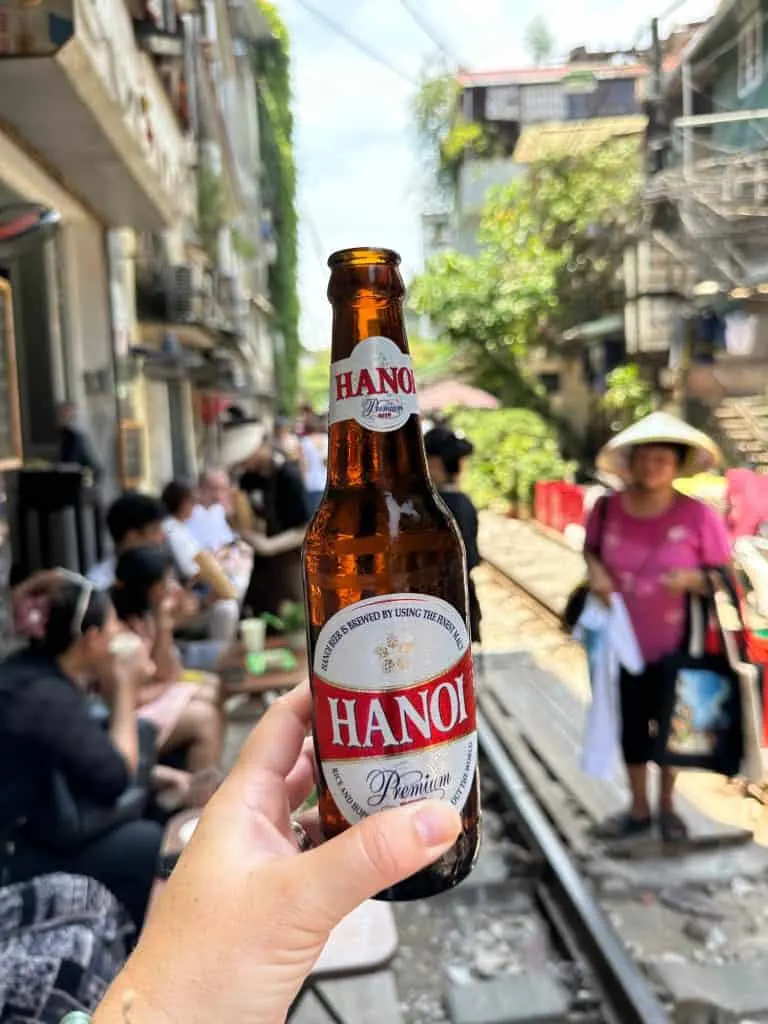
[[386, 589]]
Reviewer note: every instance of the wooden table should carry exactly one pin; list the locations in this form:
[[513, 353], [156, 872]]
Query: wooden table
[[275, 680]]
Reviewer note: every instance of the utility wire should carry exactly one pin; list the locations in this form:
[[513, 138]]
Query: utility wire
[[334, 26], [430, 33]]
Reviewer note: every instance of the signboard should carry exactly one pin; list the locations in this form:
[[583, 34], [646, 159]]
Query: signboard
[[10, 427]]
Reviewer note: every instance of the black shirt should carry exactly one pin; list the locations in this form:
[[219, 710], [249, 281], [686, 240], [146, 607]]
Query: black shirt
[[45, 724], [465, 514], [75, 449], [279, 498]]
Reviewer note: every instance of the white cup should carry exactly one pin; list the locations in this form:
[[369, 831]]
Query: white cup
[[254, 634]]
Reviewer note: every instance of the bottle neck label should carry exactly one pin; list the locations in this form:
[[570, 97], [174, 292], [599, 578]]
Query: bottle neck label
[[375, 386], [394, 704]]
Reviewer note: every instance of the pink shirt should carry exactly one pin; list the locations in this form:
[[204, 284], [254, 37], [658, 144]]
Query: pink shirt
[[639, 552]]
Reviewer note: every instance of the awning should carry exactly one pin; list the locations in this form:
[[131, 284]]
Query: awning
[[565, 138], [594, 330]]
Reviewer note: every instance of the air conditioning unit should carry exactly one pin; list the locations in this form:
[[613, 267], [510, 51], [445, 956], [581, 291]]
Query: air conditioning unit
[[184, 291]]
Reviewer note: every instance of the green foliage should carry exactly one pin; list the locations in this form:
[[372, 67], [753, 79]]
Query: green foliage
[[513, 449], [549, 248], [628, 397], [539, 40], [446, 137], [314, 378], [242, 245], [271, 64], [210, 209]]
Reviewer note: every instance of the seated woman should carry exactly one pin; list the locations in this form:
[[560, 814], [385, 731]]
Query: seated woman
[[186, 715], [46, 726]]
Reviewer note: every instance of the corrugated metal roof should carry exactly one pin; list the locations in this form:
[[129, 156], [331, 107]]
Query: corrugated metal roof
[[539, 141], [552, 73]]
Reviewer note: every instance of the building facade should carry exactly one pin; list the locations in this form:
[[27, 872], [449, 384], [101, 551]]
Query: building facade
[[134, 299]]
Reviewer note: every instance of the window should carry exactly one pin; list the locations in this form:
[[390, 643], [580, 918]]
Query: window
[[542, 103], [750, 61]]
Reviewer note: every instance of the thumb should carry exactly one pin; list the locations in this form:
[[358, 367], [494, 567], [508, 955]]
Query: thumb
[[373, 855]]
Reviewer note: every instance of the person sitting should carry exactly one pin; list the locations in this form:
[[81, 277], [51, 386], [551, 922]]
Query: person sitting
[[185, 715], [210, 527], [47, 726], [198, 567], [133, 520]]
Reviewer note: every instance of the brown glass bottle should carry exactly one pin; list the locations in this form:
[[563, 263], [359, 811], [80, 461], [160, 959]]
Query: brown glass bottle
[[386, 588]]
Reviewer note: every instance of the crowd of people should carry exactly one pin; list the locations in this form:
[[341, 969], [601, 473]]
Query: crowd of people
[[112, 713]]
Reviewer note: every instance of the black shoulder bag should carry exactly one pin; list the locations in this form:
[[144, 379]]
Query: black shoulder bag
[[574, 605]]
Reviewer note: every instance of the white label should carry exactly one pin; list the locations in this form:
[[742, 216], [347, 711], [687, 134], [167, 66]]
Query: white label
[[375, 386], [394, 704]]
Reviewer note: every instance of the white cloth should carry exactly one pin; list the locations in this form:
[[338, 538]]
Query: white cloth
[[184, 547], [314, 464], [210, 528], [102, 575], [610, 642]]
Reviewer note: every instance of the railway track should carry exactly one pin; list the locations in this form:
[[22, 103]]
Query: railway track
[[565, 897]]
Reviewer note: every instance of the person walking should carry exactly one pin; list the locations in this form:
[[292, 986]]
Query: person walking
[[652, 545]]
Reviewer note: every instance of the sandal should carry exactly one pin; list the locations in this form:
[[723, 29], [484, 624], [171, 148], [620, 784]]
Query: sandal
[[623, 826], [672, 827]]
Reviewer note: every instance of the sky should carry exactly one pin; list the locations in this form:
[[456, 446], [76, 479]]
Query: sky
[[359, 169]]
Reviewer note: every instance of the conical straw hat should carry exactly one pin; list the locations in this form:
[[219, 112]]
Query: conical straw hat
[[659, 428]]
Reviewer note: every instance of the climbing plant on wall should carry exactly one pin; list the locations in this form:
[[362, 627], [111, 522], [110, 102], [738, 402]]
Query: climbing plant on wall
[[271, 64]]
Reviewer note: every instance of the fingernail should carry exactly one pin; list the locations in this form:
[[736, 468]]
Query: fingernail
[[437, 824]]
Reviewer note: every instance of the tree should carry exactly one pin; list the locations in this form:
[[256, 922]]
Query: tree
[[539, 40], [549, 248], [628, 397], [445, 135]]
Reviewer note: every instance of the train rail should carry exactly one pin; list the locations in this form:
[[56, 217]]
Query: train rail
[[567, 901], [566, 898]]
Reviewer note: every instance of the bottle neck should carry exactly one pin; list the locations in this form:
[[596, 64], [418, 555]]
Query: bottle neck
[[372, 389]]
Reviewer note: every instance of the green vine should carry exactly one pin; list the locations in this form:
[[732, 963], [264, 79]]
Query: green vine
[[446, 136], [210, 209], [271, 65]]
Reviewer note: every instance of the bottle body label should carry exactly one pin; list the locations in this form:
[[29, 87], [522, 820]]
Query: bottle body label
[[394, 704], [375, 386]]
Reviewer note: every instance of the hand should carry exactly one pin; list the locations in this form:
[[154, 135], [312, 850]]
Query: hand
[[684, 581], [244, 913], [600, 582]]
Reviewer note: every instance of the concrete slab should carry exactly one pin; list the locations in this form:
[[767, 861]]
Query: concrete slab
[[372, 999], [710, 867], [530, 998], [725, 994]]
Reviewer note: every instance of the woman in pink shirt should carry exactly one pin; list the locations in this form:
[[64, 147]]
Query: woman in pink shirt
[[651, 544]]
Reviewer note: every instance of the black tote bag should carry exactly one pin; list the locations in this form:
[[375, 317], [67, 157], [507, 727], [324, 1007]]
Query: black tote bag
[[700, 722]]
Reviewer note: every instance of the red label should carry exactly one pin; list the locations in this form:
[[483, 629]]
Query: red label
[[352, 724]]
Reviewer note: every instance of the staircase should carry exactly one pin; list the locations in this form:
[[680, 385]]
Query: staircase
[[742, 425]]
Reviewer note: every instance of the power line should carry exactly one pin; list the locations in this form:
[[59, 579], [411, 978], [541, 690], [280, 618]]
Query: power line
[[430, 33], [334, 26]]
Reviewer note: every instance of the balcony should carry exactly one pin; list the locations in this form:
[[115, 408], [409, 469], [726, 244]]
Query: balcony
[[77, 90]]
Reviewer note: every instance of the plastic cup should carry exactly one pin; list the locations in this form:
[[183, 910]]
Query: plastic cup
[[254, 634]]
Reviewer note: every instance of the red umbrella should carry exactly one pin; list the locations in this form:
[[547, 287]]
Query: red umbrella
[[450, 393]]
